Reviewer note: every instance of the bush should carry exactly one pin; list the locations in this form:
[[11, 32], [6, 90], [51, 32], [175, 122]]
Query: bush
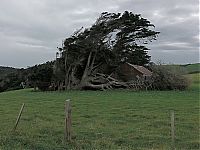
[[41, 76], [165, 78], [43, 86]]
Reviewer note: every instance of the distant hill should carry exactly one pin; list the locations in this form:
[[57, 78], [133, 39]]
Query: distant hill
[[191, 68], [187, 68], [11, 78], [7, 70]]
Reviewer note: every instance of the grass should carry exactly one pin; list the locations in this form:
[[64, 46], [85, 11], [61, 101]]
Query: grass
[[192, 68], [101, 120], [186, 69], [195, 79]]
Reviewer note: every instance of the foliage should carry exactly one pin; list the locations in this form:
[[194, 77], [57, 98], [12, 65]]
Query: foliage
[[11, 78], [7, 70], [37, 76], [114, 38], [41, 75], [166, 78]]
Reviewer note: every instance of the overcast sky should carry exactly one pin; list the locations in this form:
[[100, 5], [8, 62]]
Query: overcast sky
[[30, 30]]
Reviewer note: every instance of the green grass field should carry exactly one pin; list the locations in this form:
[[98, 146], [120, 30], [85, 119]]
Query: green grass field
[[101, 120], [192, 68], [186, 69]]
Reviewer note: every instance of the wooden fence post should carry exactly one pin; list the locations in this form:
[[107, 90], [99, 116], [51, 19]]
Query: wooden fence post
[[68, 121], [18, 117], [172, 129]]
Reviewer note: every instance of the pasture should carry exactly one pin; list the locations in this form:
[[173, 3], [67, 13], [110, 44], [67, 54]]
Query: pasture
[[192, 68], [186, 69], [118, 119]]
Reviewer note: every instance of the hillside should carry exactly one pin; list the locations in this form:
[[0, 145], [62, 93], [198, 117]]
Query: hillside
[[191, 68], [186, 68], [11, 78], [7, 70]]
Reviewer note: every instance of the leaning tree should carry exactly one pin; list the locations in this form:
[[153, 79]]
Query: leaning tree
[[90, 55]]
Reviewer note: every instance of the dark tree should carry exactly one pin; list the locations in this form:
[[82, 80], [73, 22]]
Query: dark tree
[[90, 55], [40, 76]]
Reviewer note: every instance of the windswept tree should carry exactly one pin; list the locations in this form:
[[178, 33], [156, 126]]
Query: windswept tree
[[90, 55]]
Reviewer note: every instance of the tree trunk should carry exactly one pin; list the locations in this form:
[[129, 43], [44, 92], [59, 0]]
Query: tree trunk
[[35, 86], [67, 78], [86, 71]]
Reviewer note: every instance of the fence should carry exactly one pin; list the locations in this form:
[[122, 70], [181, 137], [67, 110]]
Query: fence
[[68, 123]]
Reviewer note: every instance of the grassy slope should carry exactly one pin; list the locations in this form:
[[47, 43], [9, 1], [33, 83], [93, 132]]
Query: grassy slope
[[101, 120], [188, 68], [192, 67]]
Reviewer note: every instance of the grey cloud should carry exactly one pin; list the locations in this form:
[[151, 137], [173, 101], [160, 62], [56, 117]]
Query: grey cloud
[[30, 30], [175, 57]]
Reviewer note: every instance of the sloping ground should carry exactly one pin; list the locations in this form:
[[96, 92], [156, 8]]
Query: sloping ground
[[192, 68], [6, 70], [187, 69], [101, 120], [195, 79], [8, 78]]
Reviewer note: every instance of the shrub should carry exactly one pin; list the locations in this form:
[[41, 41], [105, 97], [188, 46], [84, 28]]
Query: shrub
[[43, 86], [166, 78]]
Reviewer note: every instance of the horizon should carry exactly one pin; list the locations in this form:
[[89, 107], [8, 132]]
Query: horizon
[[52, 60]]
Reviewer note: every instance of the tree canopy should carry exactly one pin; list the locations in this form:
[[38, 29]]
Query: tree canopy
[[113, 39]]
